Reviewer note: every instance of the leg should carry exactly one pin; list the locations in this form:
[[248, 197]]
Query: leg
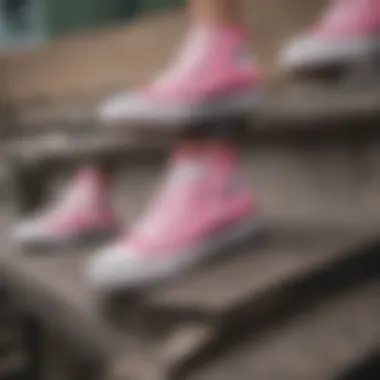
[[215, 12]]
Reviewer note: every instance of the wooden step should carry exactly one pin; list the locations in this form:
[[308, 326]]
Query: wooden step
[[323, 342], [187, 336], [55, 288], [284, 254], [323, 108], [53, 148], [316, 113], [326, 179]]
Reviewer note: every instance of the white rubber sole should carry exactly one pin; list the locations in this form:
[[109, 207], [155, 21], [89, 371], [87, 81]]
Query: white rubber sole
[[128, 276], [136, 112], [311, 53], [49, 244]]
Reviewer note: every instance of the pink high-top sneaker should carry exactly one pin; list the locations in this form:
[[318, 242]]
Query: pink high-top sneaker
[[202, 207], [214, 74], [82, 213], [348, 30]]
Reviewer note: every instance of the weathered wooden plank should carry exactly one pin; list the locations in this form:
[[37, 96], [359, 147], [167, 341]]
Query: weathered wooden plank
[[56, 289], [323, 341], [62, 147], [287, 254], [325, 107]]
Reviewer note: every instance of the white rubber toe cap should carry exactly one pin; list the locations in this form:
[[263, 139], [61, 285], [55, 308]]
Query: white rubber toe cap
[[133, 107], [116, 267], [312, 51], [300, 52], [29, 232], [120, 107]]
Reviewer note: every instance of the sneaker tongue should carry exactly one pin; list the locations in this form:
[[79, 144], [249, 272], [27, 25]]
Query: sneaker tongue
[[78, 194], [73, 199], [183, 175], [190, 57], [177, 193]]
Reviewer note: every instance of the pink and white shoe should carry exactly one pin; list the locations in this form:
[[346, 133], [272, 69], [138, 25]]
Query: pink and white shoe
[[214, 74], [348, 30], [202, 207], [82, 213]]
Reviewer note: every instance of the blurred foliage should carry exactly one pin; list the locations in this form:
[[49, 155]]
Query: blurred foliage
[[72, 16], [23, 22]]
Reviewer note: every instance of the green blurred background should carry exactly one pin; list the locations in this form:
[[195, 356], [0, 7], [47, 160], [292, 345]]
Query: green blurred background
[[28, 22]]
